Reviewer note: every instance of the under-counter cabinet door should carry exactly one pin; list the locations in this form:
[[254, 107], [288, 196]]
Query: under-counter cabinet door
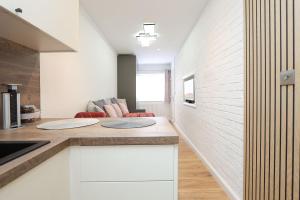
[[49, 180], [127, 163], [127, 191], [58, 18], [134, 172]]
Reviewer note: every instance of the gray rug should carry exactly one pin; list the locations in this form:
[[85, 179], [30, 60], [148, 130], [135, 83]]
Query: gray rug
[[128, 123]]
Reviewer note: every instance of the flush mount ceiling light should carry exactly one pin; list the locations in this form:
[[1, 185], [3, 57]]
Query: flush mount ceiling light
[[148, 35]]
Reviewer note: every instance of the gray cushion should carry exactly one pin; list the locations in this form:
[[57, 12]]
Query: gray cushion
[[114, 100], [107, 101], [100, 103], [91, 107], [98, 109]]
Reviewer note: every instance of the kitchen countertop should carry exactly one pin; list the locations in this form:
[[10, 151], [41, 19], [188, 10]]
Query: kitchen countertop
[[161, 133]]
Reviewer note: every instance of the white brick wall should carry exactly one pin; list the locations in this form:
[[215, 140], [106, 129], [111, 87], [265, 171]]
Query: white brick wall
[[214, 52]]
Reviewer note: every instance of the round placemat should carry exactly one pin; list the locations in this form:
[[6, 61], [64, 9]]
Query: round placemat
[[128, 123], [67, 124]]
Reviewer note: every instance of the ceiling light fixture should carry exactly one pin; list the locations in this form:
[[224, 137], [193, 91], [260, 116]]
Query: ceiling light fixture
[[148, 35], [149, 29]]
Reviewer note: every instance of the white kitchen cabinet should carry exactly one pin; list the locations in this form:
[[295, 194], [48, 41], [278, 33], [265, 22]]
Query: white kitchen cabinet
[[162, 190], [134, 172], [48, 181], [58, 18], [127, 163]]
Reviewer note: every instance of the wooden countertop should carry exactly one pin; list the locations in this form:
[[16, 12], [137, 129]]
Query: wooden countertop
[[161, 133]]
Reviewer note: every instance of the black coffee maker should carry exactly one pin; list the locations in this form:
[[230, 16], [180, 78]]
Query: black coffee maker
[[11, 107]]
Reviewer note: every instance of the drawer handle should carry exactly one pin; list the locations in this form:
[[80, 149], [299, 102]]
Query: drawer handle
[[18, 10]]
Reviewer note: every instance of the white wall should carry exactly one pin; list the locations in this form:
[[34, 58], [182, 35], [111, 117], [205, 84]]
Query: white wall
[[70, 80], [214, 52]]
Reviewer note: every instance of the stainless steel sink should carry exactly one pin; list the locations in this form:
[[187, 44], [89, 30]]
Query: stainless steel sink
[[10, 150]]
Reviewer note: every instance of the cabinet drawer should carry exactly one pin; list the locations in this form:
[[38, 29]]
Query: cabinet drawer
[[127, 163], [127, 190]]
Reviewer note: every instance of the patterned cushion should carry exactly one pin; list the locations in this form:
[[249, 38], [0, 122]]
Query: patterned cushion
[[90, 115], [110, 111], [117, 109], [139, 114]]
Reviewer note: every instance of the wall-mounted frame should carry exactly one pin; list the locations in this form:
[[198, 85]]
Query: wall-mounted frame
[[189, 96]]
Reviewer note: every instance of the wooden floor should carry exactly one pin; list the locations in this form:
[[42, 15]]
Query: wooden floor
[[195, 181]]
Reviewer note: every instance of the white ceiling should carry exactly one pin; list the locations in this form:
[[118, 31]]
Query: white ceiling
[[120, 20]]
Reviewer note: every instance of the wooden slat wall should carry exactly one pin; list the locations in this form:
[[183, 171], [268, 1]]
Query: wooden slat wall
[[272, 41], [296, 142]]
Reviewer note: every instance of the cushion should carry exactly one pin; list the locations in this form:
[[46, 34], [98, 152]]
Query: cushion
[[114, 100], [117, 109], [98, 109], [108, 101], [122, 101], [100, 103], [91, 107], [90, 115], [110, 111], [123, 108], [140, 114]]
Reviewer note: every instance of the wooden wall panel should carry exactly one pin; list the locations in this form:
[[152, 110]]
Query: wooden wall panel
[[268, 100], [296, 136], [263, 99], [272, 133], [20, 64], [283, 67], [272, 100], [247, 99], [251, 31], [258, 97]]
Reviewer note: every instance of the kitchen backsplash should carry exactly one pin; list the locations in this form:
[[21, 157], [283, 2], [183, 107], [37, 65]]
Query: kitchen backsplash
[[19, 64]]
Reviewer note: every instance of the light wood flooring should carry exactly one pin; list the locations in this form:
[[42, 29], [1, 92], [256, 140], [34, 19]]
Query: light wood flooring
[[195, 181]]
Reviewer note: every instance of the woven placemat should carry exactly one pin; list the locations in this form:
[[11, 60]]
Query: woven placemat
[[67, 124], [128, 123]]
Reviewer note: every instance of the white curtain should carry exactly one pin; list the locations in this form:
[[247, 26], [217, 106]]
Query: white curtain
[[168, 86]]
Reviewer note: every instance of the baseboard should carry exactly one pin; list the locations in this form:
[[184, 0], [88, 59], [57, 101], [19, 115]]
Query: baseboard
[[212, 170]]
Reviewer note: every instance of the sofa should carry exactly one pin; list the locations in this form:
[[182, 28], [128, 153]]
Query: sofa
[[90, 115], [113, 107]]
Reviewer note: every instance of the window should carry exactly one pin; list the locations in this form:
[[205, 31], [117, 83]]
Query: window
[[150, 87]]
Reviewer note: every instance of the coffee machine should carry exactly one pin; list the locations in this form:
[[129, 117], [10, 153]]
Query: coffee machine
[[11, 107]]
